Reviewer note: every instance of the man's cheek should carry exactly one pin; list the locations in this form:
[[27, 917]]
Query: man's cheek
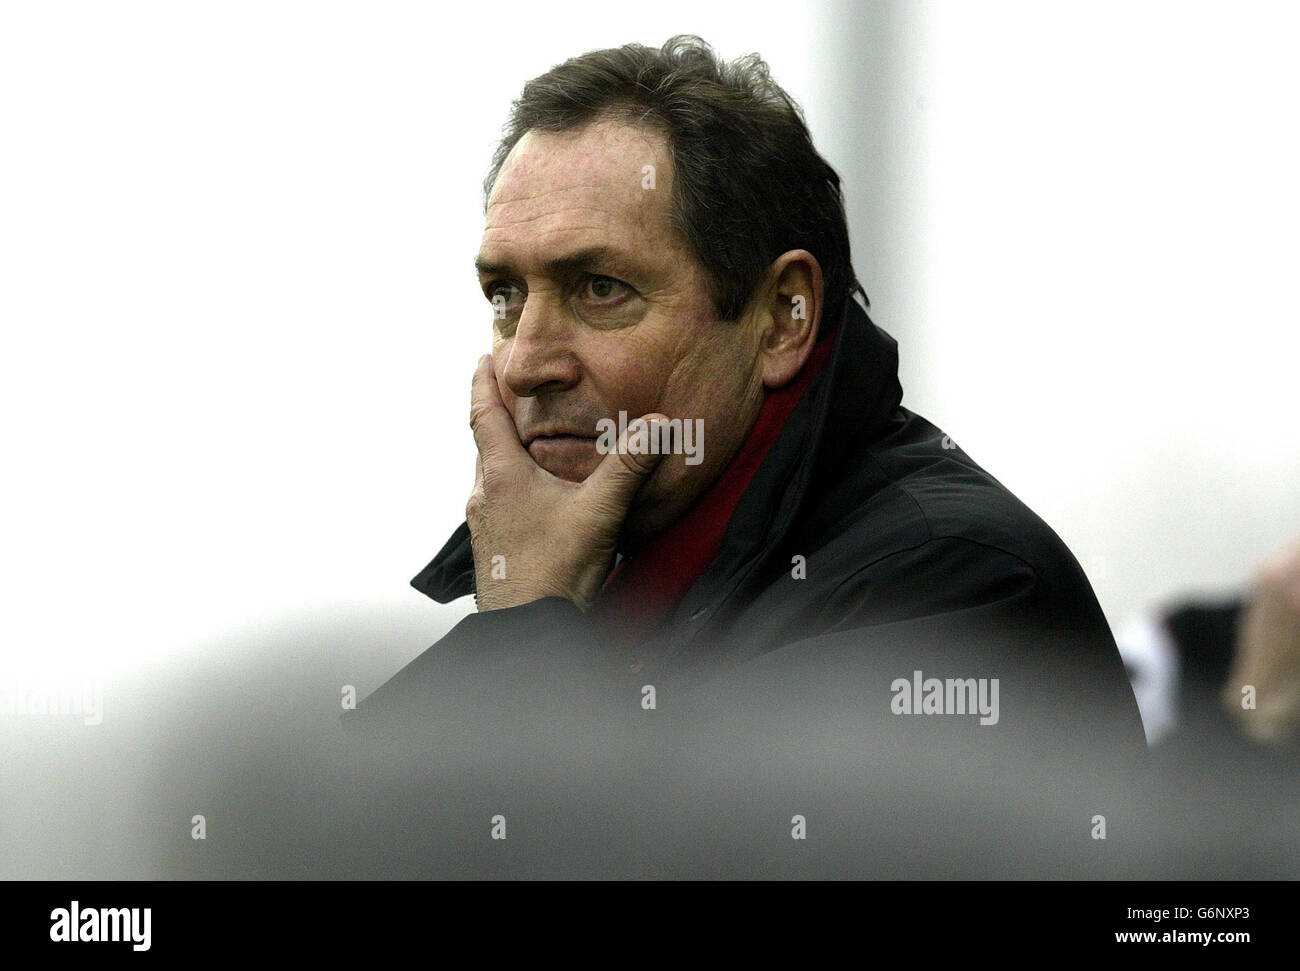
[[666, 482]]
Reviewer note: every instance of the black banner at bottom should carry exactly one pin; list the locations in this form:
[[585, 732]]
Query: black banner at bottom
[[146, 920]]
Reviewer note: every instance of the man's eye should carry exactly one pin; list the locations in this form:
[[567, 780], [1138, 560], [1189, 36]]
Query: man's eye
[[503, 295], [605, 287]]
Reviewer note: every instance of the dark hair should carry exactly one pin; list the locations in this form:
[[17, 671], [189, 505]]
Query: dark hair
[[748, 183]]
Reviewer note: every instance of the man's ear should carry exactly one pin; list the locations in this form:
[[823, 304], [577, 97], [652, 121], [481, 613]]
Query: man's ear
[[792, 318]]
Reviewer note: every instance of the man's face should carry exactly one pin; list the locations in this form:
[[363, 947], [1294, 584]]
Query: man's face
[[606, 309]]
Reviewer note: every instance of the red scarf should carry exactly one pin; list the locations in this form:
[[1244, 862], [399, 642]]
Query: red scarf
[[641, 590]]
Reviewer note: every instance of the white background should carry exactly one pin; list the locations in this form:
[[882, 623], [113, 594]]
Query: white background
[[239, 319]]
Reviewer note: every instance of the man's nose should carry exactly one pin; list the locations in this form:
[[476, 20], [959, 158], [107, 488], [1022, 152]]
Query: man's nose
[[538, 356]]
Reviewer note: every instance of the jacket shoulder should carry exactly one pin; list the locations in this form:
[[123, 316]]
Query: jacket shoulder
[[917, 487]]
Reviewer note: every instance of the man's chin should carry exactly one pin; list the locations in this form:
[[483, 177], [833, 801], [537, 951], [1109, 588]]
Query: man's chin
[[569, 475]]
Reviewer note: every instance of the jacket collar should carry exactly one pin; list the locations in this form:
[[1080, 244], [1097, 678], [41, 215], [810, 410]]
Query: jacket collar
[[852, 401]]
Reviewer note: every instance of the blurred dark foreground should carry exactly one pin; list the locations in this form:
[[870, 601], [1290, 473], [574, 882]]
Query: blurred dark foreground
[[560, 775]]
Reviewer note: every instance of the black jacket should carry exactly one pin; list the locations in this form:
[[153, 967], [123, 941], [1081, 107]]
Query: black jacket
[[917, 560], [765, 692]]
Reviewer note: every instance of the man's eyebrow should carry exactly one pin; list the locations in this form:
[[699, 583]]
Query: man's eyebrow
[[590, 259]]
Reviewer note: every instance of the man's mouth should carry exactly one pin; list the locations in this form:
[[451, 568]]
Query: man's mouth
[[550, 442], [559, 438]]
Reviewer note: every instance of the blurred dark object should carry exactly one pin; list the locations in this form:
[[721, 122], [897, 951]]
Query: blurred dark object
[[1205, 637]]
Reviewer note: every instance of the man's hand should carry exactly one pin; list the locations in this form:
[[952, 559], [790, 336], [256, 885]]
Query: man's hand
[[536, 535], [1267, 655]]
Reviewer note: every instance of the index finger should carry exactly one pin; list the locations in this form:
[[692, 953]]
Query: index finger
[[494, 429]]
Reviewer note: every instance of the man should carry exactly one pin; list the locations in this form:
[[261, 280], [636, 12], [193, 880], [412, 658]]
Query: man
[[664, 243]]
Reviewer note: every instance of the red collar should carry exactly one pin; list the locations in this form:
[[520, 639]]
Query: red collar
[[642, 589]]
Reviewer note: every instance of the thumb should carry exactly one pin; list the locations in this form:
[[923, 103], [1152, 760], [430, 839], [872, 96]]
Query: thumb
[[638, 453]]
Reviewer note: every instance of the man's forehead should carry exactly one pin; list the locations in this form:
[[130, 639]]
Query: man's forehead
[[589, 185]]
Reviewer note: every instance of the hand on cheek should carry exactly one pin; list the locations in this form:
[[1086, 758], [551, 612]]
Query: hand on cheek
[[535, 535]]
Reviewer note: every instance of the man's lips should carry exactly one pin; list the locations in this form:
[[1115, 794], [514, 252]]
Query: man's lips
[[560, 441], [556, 436]]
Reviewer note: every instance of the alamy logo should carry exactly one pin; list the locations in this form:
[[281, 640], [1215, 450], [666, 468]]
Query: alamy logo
[[102, 924], [951, 696], [667, 436], [83, 699]]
